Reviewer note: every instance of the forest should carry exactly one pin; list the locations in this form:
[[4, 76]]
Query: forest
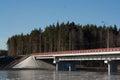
[[3, 52], [64, 37]]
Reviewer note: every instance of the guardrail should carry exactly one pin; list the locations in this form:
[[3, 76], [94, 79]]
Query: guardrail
[[79, 51]]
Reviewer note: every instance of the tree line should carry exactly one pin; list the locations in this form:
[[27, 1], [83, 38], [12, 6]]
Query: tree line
[[62, 37], [3, 52]]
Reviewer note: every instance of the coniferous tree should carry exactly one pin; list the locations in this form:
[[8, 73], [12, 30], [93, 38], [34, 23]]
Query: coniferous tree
[[61, 37]]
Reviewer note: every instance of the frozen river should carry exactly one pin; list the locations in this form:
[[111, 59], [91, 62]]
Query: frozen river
[[53, 75]]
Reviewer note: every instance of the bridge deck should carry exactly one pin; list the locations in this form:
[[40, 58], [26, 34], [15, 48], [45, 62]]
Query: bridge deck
[[81, 52]]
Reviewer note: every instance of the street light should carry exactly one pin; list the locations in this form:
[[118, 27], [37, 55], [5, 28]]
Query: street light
[[107, 35]]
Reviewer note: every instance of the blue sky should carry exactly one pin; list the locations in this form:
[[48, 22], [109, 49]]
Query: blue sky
[[22, 16]]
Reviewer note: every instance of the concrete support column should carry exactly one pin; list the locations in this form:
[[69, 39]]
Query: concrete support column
[[56, 67], [55, 61], [112, 66], [69, 67]]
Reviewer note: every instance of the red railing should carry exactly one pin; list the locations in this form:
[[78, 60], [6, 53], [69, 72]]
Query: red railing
[[79, 51]]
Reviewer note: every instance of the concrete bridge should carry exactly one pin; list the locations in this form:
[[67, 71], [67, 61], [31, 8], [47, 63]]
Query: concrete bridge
[[67, 60], [111, 56]]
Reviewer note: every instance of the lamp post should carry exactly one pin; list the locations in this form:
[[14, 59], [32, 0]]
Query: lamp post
[[107, 35]]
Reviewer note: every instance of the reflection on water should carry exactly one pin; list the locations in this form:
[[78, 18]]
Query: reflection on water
[[53, 75]]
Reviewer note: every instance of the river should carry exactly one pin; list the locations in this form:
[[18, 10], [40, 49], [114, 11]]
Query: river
[[53, 75]]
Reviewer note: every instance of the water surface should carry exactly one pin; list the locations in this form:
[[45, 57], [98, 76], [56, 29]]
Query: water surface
[[53, 75]]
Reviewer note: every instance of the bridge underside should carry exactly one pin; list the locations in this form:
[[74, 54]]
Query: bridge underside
[[80, 64], [90, 57], [75, 65]]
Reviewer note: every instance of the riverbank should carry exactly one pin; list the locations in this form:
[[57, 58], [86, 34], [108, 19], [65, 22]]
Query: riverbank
[[7, 62]]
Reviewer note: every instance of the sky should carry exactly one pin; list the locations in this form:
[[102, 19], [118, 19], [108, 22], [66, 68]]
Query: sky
[[22, 16]]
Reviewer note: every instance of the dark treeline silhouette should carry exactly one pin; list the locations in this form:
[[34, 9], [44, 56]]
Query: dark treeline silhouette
[[64, 36], [3, 52]]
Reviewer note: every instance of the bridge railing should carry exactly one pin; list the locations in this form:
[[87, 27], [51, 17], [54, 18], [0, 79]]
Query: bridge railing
[[79, 51]]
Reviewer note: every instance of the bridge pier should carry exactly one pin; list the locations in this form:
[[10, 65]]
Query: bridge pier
[[56, 67], [112, 66]]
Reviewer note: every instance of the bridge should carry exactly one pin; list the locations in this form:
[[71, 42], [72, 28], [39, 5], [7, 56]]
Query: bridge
[[70, 60], [111, 56]]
